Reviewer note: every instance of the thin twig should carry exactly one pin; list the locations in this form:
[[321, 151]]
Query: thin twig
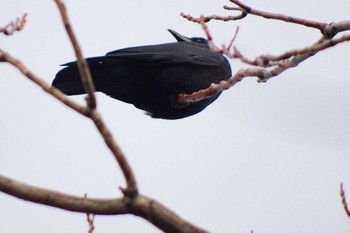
[[328, 30], [14, 26], [343, 200], [278, 63], [83, 66], [263, 74], [215, 89], [289, 19], [214, 17], [277, 60], [131, 189], [90, 219], [210, 42]]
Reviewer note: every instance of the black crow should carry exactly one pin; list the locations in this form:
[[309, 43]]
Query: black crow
[[151, 77]]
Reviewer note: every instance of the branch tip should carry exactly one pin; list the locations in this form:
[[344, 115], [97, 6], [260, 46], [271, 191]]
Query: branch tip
[[344, 202], [13, 26]]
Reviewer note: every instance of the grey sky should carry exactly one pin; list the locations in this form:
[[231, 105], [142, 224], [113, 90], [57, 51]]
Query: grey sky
[[264, 157]]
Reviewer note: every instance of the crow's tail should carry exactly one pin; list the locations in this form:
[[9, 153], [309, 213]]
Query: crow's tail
[[103, 70], [68, 80]]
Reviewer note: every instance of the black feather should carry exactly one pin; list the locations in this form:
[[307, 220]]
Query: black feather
[[150, 77]]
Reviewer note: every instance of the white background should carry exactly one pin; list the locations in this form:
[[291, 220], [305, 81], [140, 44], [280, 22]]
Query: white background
[[264, 157]]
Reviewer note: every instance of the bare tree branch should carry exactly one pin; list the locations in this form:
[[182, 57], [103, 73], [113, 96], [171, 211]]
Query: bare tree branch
[[277, 60], [61, 200], [5, 57], [141, 206], [83, 67], [131, 203], [131, 189], [215, 17], [214, 89], [88, 84], [328, 30], [14, 26], [278, 64], [343, 199], [297, 56], [289, 19]]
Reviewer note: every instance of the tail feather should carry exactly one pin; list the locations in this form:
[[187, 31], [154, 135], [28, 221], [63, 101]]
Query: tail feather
[[68, 81], [108, 78]]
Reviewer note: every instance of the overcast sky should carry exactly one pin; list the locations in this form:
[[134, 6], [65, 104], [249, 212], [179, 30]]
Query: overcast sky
[[265, 157]]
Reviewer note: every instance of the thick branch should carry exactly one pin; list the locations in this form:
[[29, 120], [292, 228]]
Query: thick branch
[[133, 203], [61, 200], [141, 206]]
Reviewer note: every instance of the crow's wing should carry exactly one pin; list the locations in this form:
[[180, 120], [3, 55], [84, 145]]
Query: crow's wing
[[172, 53]]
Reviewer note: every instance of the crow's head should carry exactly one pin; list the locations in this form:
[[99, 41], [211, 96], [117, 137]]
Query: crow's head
[[182, 38]]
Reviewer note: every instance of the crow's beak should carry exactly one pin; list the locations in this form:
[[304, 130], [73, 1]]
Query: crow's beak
[[179, 37]]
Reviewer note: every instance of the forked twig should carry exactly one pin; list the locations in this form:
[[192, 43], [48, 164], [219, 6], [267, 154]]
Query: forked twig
[[131, 189], [131, 203], [16, 25], [278, 64]]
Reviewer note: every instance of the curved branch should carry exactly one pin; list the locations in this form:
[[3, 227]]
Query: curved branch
[[328, 30], [280, 60], [289, 19], [141, 206], [215, 89], [6, 57], [61, 200], [131, 189]]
